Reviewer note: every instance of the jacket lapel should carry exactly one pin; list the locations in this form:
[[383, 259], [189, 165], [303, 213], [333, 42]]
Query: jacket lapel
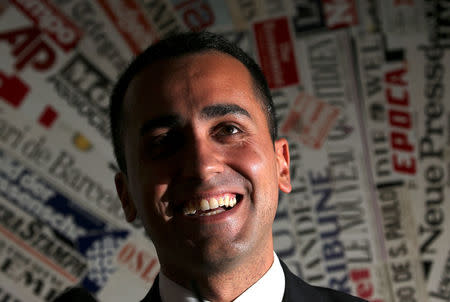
[[298, 290], [153, 294]]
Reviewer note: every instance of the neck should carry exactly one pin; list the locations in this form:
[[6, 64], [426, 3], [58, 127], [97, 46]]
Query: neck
[[220, 285]]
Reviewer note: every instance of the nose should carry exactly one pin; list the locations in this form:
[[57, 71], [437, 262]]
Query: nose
[[201, 159]]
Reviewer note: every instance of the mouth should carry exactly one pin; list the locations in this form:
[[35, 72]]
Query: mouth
[[212, 205]]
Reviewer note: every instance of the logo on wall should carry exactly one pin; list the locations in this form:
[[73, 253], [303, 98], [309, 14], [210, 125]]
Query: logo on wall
[[100, 252]]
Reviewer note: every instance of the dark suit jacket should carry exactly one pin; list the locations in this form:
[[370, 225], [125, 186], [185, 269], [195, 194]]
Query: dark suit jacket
[[75, 294], [296, 290]]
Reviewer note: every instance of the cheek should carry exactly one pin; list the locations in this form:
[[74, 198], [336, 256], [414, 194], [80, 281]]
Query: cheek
[[148, 188], [255, 163], [258, 166]]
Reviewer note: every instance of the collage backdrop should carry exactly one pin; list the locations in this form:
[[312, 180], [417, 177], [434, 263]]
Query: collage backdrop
[[361, 90]]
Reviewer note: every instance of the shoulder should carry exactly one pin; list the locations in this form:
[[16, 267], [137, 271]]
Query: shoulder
[[298, 290], [337, 296]]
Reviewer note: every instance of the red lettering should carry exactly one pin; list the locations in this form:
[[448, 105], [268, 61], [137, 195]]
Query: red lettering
[[21, 38], [140, 259], [197, 14], [357, 274], [399, 141], [398, 95], [146, 273], [402, 101], [35, 54], [55, 24], [395, 77], [400, 119], [126, 253], [405, 166], [139, 262], [28, 46], [12, 89], [199, 18], [364, 287]]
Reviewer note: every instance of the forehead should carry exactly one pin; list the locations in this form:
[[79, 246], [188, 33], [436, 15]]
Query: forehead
[[189, 81]]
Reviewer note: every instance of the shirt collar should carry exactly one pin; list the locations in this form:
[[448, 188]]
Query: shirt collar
[[269, 288]]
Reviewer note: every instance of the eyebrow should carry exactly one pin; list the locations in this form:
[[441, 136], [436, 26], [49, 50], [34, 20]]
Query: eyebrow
[[219, 110]]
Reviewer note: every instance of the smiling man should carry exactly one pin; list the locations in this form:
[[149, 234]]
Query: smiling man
[[194, 134]]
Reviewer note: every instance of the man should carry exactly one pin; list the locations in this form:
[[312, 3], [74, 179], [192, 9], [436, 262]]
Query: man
[[194, 133]]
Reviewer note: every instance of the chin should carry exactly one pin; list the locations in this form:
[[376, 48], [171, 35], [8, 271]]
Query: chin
[[213, 260]]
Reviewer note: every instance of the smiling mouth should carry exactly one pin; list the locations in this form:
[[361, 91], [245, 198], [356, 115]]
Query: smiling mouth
[[212, 205]]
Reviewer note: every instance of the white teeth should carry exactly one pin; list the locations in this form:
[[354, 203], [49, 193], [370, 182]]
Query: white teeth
[[212, 212], [232, 202], [213, 203], [204, 205], [210, 204], [226, 201]]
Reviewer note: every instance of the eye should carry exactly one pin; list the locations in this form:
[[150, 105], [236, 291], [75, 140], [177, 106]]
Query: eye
[[164, 144], [160, 139], [227, 130]]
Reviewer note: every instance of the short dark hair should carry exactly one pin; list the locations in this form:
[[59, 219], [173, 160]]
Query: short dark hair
[[177, 46]]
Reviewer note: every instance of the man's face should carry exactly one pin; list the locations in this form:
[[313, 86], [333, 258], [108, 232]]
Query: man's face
[[196, 137]]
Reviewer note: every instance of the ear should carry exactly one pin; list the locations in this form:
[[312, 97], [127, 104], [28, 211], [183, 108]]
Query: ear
[[128, 207], [283, 161]]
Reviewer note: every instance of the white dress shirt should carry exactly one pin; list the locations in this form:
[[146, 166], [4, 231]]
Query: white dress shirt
[[269, 288]]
